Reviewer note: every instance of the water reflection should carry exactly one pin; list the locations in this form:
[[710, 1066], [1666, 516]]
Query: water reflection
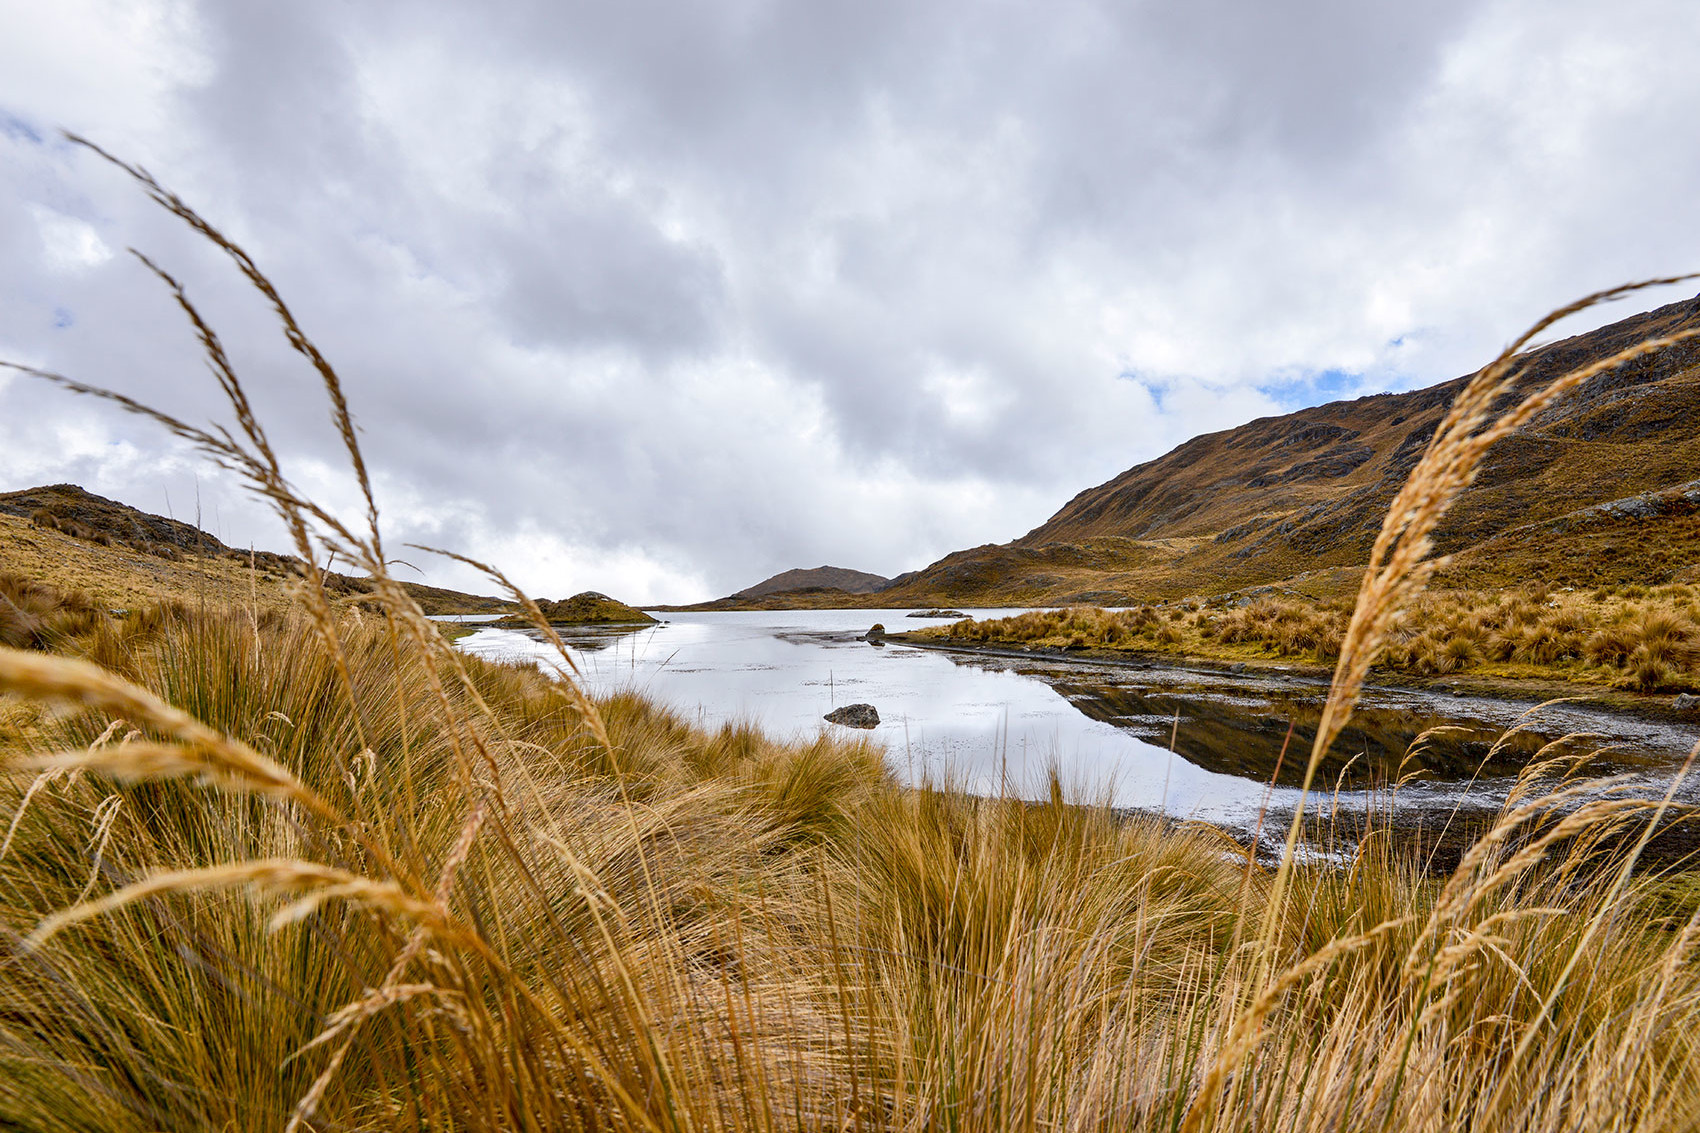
[[990, 724]]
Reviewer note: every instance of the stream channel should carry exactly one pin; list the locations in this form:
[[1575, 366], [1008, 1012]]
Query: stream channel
[[1003, 724]]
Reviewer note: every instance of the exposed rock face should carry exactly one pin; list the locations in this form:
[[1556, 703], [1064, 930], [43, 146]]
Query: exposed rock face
[[855, 716]]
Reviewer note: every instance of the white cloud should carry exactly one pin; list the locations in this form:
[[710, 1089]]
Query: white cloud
[[68, 244], [663, 298]]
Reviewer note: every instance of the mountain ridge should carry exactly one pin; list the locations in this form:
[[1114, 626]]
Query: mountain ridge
[[1304, 493]]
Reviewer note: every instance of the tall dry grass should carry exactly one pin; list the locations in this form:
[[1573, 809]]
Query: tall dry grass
[[320, 871], [1646, 640]]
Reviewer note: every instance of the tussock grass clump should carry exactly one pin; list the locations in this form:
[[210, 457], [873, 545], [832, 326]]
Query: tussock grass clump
[[34, 615], [318, 871]]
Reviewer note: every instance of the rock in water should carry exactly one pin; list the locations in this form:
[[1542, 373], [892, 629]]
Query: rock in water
[[855, 716], [875, 632]]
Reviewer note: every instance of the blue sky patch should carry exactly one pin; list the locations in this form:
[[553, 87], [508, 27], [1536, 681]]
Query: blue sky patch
[[14, 127]]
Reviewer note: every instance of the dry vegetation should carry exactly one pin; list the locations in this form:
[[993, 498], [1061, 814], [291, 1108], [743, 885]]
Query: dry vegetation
[[1646, 639], [317, 870], [116, 576], [679, 929]]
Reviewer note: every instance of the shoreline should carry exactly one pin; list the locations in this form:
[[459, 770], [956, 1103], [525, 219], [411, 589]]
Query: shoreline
[[1652, 707]]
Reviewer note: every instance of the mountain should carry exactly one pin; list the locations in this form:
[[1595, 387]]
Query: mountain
[[820, 578], [1599, 488]]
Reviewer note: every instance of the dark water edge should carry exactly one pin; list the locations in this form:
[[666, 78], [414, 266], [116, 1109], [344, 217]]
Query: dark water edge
[[1427, 767], [1437, 841]]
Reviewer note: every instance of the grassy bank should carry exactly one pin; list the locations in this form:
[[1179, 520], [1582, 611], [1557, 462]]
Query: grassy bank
[[1632, 637]]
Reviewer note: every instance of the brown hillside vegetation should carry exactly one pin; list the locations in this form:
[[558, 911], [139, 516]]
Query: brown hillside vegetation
[[122, 557], [1595, 490]]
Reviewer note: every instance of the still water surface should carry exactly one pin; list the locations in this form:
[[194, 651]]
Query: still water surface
[[1002, 724]]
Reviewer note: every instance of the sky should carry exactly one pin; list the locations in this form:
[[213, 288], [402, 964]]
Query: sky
[[661, 298]]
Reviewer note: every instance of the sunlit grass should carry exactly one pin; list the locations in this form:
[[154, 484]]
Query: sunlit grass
[[1633, 637]]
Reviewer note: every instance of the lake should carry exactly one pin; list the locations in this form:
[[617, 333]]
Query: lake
[[1002, 724]]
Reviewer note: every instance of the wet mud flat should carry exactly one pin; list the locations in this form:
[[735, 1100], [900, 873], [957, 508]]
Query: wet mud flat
[[1429, 767]]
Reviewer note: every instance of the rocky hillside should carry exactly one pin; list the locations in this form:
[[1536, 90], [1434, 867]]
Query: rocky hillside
[[65, 536], [84, 515], [820, 578], [1598, 489]]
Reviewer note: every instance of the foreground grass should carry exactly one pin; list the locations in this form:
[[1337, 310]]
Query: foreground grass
[[1632, 637], [674, 928]]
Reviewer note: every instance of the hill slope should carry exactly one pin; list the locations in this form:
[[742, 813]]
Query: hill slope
[[820, 578], [72, 538], [1305, 492]]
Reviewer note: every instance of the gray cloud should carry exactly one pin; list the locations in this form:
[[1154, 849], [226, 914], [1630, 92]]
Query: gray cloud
[[661, 298]]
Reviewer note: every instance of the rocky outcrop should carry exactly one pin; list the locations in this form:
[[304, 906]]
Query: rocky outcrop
[[855, 716], [587, 608]]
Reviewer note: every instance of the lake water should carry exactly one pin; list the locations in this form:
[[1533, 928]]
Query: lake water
[[995, 725]]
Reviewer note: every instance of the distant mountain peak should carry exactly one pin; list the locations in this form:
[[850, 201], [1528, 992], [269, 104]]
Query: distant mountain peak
[[819, 578]]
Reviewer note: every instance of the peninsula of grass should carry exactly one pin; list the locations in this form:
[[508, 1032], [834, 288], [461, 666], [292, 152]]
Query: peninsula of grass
[[1637, 638]]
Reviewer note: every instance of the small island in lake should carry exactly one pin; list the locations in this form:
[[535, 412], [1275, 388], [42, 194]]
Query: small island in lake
[[587, 608]]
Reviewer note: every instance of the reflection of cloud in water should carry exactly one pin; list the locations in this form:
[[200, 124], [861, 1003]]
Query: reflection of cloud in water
[[589, 639], [987, 723]]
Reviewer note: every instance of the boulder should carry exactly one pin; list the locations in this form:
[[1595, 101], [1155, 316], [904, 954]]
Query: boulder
[[875, 632], [855, 716], [1685, 702]]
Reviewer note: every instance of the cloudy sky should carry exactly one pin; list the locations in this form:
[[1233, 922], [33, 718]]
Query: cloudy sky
[[659, 298]]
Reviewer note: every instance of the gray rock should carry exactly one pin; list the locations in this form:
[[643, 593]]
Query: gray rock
[[1239, 667], [1685, 702], [875, 632], [855, 716]]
